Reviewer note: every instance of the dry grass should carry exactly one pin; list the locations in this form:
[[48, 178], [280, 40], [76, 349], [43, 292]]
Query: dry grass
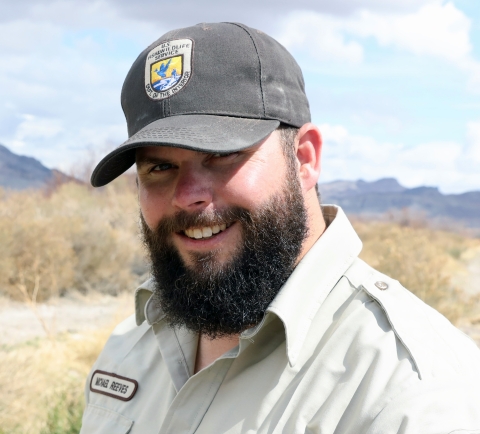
[[73, 238], [423, 260], [42, 383]]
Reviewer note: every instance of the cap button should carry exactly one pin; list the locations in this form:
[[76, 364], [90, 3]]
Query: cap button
[[381, 285]]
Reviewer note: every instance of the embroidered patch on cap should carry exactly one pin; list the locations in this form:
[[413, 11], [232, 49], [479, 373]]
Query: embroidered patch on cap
[[113, 385], [168, 68]]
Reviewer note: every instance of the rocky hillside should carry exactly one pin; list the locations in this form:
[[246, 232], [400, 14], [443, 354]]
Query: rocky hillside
[[386, 195], [18, 172]]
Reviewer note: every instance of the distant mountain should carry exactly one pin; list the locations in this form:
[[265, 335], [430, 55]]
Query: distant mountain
[[18, 172], [377, 198], [369, 199]]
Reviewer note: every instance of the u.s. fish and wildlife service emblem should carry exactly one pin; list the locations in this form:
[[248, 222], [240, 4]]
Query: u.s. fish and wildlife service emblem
[[168, 68]]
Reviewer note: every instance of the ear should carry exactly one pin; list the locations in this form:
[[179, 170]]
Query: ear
[[309, 152]]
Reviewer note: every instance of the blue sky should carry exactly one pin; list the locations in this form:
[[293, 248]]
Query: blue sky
[[394, 86]]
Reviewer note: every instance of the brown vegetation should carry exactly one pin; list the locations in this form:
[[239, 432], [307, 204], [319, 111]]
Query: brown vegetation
[[42, 383], [424, 261], [72, 238]]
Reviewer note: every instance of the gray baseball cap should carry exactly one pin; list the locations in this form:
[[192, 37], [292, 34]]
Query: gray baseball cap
[[218, 88]]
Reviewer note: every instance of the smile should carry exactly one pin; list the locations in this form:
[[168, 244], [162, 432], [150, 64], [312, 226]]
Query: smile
[[206, 231]]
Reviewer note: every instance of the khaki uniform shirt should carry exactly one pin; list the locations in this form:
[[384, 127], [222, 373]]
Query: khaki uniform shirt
[[342, 349]]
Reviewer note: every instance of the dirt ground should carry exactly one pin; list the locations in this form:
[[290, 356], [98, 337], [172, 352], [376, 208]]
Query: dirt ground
[[21, 323], [73, 314]]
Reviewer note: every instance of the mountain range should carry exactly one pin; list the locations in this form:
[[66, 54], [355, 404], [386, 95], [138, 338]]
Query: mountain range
[[19, 172], [376, 199], [388, 196]]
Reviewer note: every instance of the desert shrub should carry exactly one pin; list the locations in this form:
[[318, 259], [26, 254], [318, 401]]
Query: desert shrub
[[72, 238], [422, 259], [104, 237], [35, 258]]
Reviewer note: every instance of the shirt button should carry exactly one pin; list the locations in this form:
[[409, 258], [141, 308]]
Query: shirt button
[[381, 285]]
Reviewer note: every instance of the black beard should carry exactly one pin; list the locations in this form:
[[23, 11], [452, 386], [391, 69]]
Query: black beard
[[220, 300]]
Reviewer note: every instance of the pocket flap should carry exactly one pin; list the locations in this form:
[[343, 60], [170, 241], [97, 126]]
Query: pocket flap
[[100, 420]]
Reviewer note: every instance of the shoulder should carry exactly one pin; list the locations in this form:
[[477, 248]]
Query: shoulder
[[436, 347], [131, 339], [124, 338], [126, 344]]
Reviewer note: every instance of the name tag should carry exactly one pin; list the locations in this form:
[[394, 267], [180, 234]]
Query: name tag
[[113, 385]]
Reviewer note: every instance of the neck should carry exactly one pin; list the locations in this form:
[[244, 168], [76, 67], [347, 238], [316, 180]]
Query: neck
[[316, 222], [209, 350]]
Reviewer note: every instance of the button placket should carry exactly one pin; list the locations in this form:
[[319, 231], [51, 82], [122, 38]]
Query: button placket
[[194, 399]]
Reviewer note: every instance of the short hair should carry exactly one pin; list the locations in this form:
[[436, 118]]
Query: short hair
[[288, 136]]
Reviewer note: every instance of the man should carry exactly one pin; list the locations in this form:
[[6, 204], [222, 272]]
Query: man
[[259, 316]]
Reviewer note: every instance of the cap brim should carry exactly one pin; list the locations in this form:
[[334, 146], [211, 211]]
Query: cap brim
[[205, 133]]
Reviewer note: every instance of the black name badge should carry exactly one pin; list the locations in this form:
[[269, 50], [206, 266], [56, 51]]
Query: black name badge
[[113, 385]]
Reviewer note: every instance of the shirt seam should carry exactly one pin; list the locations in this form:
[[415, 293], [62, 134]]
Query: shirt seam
[[336, 275], [184, 364], [397, 335]]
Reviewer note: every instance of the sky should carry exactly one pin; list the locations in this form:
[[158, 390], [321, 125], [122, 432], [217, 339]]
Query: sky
[[394, 86]]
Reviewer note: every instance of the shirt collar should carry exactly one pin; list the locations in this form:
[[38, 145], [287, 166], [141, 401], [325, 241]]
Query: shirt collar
[[314, 277], [305, 290], [145, 309]]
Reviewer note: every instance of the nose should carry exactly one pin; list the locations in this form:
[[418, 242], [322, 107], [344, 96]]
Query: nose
[[193, 190]]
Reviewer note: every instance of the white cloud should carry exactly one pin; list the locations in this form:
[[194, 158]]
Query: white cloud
[[436, 29], [33, 127], [61, 75], [63, 146], [320, 36], [448, 165], [251, 12]]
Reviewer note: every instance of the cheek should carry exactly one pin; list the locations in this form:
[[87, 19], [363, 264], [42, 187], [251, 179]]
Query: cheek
[[153, 206], [255, 183]]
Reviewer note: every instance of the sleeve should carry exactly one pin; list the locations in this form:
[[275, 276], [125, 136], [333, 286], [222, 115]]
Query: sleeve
[[87, 387]]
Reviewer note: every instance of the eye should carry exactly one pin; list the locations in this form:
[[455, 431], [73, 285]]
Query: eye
[[161, 167]]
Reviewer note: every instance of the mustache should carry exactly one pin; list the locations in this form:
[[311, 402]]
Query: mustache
[[183, 220]]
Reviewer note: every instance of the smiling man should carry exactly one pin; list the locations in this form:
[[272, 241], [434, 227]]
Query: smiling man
[[217, 233], [259, 316]]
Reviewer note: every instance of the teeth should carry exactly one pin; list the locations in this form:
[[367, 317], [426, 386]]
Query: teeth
[[205, 232]]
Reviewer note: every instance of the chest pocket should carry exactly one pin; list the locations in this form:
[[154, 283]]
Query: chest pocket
[[99, 420]]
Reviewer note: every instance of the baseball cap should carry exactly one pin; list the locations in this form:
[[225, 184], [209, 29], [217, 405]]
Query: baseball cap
[[216, 87]]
